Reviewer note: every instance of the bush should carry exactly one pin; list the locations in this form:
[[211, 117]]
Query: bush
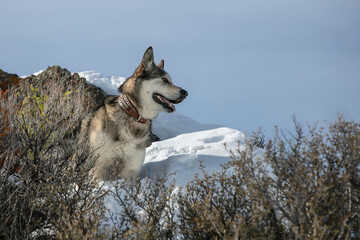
[[305, 186], [146, 209], [45, 193], [231, 203], [316, 188]]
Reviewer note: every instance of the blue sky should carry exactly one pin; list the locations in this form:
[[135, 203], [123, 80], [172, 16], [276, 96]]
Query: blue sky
[[245, 63]]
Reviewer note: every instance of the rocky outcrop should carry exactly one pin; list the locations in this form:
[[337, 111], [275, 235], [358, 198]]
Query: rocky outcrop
[[7, 80], [94, 96]]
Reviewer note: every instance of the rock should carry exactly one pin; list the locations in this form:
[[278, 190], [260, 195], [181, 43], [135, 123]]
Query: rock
[[7, 80], [94, 96]]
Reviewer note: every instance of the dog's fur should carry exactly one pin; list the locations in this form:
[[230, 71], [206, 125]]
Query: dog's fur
[[117, 139]]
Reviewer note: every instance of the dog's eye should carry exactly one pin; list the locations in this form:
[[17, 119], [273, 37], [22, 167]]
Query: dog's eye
[[165, 80]]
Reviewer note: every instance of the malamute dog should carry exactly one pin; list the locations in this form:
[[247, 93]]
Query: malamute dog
[[119, 131]]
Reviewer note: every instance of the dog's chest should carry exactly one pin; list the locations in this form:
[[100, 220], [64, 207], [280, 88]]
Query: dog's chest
[[126, 139]]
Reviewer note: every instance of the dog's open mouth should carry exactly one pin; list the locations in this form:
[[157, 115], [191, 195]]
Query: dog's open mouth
[[166, 103]]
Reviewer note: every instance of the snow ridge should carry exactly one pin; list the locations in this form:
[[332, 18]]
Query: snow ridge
[[108, 84]]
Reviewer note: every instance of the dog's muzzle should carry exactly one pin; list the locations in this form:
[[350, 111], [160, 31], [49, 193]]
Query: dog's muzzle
[[168, 104]]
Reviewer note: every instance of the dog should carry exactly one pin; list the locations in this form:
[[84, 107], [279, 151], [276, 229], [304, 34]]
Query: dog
[[119, 131]]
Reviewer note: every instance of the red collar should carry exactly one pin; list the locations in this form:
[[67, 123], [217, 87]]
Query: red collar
[[130, 109]]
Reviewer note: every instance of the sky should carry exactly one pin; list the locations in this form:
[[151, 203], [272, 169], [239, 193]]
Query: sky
[[245, 63]]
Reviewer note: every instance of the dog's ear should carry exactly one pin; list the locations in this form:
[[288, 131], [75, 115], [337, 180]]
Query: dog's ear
[[146, 64], [148, 59], [161, 64]]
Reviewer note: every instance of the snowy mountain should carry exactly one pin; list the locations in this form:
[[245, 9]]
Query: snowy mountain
[[184, 140]]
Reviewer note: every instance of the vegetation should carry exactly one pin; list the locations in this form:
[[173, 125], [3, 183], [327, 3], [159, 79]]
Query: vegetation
[[305, 186], [44, 191]]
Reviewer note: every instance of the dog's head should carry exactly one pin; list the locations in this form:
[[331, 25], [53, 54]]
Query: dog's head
[[150, 88]]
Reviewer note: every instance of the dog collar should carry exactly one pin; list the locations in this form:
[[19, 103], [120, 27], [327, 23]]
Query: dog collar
[[130, 109]]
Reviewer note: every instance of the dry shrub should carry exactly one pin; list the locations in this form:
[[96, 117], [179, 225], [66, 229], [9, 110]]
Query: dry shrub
[[303, 185], [146, 209], [231, 203], [317, 185], [44, 191], [306, 186]]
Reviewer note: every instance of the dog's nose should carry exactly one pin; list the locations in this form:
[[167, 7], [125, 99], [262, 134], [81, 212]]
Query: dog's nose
[[183, 92]]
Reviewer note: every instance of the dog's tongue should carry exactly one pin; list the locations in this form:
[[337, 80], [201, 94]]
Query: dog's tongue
[[167, 102]]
